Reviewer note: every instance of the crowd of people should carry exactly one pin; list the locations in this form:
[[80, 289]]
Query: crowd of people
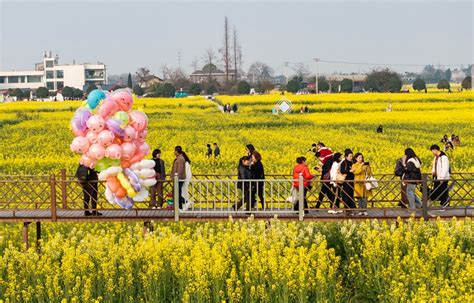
[[346, 179]]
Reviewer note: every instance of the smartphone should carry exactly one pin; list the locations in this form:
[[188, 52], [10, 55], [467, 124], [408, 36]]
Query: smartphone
[[366, 163]]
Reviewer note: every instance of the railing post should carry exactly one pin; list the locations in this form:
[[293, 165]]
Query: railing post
[[424, 198], [63, 189], [176, 197], [52, 181], [300, 197]]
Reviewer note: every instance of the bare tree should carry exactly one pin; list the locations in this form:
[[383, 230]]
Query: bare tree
[[142, 74], [225, 53], [259, 72], [209, 59], [237, 54], [195, 64], [301, 70]]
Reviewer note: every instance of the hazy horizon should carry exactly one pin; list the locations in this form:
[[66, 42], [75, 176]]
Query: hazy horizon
[[129, 35]]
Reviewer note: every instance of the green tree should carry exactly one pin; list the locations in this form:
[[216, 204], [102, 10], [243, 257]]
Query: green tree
[[383, 81], [68, 92], [77, 93], [447, 74], [443, 84], [419, 84], [346, 85], [267, 86], [18, 93], [129, 81], [294, 85], [323, 84], [243, 88], [42, 92], [166, 90], [211, 88], [195, 89], [138, 90], [467, 83]]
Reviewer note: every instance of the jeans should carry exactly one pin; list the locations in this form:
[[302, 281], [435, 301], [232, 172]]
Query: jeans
[[413, 200]]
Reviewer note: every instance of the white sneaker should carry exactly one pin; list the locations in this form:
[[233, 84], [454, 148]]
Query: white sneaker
[[187, 205], [339, 211], [332, 212]]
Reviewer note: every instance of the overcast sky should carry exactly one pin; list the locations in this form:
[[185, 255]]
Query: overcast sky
[[126, 35]]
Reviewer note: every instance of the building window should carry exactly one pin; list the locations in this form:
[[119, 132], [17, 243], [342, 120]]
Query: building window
[[49, 74], [49, 63], [13, 79], [94, 74], [59, 85], [50, 85], [59, 74], [33, 79], [22, 79], [2, 79]]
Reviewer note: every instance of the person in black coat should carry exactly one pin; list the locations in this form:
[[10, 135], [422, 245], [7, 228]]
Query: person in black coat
[[160, 176], [326, 190], [88, 179], [258, 173], [246, 187], [348, 187]]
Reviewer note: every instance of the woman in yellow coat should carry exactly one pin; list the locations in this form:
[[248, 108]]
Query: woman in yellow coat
[[361, 169]]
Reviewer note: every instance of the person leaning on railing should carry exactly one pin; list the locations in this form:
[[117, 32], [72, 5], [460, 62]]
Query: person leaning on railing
[[411, 177]]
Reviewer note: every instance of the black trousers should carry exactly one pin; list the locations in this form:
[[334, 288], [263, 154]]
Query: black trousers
[[336, 200], [259, 191], [326, 191], [248, 198], [181, 200], [347, 195], [89, 189], [297, 204], [440, 192]]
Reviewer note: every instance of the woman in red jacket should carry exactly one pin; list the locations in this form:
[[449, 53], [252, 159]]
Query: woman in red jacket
[[302, 168]]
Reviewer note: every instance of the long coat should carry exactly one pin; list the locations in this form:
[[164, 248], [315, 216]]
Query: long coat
[[360, 172]]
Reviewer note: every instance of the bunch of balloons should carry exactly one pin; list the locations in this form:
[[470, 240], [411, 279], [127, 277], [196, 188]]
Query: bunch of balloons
[[110, 136]]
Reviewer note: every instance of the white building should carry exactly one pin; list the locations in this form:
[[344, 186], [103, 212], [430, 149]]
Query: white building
[[54, 76]]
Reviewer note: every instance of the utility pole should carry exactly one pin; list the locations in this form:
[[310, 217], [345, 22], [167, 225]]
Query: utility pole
[[317, 74], [179, 59]]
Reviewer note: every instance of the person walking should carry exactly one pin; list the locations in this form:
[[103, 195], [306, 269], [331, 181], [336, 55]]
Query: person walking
[[258, 173], [335, 187], [361, 170], [441, 174], [244, 174], [88, 179], [185, 190], [345, 169], [302, 168], [411, 177], [179, 168], [326, 190], [399, 171], [217, 151], [160, 176]]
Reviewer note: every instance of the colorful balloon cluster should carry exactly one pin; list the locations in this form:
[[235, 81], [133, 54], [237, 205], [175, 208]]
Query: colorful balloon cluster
[[111, 139]]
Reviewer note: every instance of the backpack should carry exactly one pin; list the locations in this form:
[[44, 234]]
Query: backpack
[[398, 171]]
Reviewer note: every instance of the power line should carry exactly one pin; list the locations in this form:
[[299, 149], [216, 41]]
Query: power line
[[387, 64]]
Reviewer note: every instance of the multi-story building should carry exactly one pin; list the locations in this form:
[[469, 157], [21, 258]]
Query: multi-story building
[[54, 76]]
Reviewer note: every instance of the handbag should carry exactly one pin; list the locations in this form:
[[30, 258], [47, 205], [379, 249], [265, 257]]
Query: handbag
[[340, 177], [371, 182], [293, 198]]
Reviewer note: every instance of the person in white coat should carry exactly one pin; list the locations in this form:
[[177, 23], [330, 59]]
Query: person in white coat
[[441, 174], [334, 186], [185, 191]]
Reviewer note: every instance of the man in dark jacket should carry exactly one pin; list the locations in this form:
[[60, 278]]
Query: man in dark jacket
[[325, 178], [88, 179], [258, 173], [217, 151], [160, 175], [246, 187]]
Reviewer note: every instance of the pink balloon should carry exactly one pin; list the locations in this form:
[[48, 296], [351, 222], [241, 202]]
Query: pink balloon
[[96, 123], [142, 135], [96, 151], [86, 161], [138, 120], [114, 151], [144, 149], [130, 134], [123, 98], [137, 157], [128, 149], [80, 145], [108, 108], [76, 131], [105, 138], [92, 137]]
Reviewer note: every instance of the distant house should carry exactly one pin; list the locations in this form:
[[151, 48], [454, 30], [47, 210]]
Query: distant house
[[279, 80], [150, 81], [358, 79], [201, 76]]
